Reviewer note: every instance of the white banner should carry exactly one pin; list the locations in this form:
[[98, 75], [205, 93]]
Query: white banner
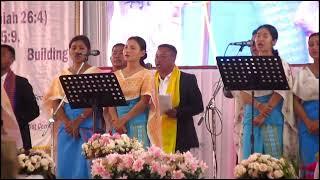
[[40, 33]]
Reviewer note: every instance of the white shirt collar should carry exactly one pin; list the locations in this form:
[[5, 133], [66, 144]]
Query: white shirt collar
[[166, 78], [163, 84]]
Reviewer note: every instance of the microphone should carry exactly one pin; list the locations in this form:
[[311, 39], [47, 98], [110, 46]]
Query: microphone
[[148, 65], [242, 43], [92, 53], [51, 120]]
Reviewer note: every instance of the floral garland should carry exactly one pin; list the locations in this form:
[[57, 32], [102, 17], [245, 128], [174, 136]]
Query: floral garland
[[36, 162], [100, 145], [264, 167]]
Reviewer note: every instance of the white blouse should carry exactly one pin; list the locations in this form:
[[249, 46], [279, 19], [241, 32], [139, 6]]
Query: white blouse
[[306, 85]]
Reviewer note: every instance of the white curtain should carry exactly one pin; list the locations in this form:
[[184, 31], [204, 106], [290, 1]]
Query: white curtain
[[96, 27]]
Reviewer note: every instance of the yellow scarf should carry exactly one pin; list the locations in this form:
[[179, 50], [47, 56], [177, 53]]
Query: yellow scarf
[[169, 125]]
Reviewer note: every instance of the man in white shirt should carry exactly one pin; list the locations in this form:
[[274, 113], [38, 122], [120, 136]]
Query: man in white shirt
[[178, 131]]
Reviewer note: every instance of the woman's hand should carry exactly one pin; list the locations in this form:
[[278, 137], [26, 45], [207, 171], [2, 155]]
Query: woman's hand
[[75, 128], [265, 110], [259, 120], [68, 127], [119, 125], [312, 126]]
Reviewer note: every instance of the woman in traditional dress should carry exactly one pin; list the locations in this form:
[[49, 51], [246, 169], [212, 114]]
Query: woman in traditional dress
[[140, 118], [76, 124], [306, 106], [272, 108]]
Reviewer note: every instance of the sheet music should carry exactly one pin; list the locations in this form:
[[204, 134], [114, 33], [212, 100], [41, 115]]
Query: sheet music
[[165, 103]]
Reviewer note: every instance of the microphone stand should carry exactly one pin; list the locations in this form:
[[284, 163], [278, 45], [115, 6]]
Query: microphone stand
[[241, 48], [52, 119], [211, 107]]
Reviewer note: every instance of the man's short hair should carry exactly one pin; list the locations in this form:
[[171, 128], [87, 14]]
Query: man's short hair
[[169, 46], [118, 44], [11, 50]]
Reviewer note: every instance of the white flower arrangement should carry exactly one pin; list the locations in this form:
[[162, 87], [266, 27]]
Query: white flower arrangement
[[150, 164], [264, 167], [100, 145], [36, 162]]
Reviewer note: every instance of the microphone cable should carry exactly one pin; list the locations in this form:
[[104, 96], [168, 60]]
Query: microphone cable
[[214, 110], [210, 123], [226, 50], [211, 106]]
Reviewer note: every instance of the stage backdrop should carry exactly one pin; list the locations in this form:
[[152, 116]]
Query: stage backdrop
[[40, 33]]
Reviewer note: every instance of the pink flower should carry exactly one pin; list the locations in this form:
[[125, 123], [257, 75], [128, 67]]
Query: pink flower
[[163, 170], [112, 159], [128, 160], [121, 166], [203, 166], [95, 136], [148, 159], [193, 167], [116, 136], [188, 156], [177, 174], [172, 157], [155, 151], [104, 140], [98, 169], [138, 165], [108, 135], [172, 166], [182, 166], [155, 166], [106, 175]]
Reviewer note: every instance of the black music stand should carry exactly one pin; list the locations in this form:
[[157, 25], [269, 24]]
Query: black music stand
[[252, 73], [93, 91]]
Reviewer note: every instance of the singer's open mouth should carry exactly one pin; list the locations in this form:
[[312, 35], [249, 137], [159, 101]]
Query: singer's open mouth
[[78, 55], [259, 45]]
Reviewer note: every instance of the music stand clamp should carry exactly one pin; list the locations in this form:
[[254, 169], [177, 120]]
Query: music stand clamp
[[252, 73], [93, 91]]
